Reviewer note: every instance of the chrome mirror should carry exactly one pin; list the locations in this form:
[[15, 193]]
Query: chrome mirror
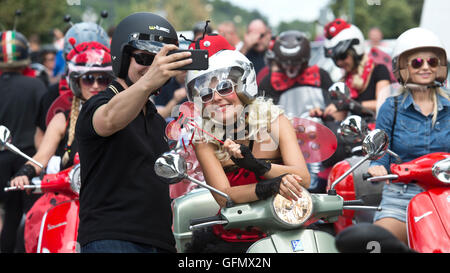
[[441, 170], [5, 137], [375, 144], [338, 90], [171, 166], [353, 129]]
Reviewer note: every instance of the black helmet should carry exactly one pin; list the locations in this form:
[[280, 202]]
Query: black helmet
[[291, 49], [142, 30], [14, 50]]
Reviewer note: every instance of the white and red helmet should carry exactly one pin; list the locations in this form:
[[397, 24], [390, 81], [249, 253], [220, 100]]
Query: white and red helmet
[[87, 57], [342, 36]]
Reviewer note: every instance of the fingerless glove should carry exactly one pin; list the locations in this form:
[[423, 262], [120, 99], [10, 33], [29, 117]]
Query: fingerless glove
[[27, 170], [249, 162], [269, 187]]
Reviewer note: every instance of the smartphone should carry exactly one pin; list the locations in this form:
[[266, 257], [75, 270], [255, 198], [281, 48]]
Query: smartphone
[[199, 59]]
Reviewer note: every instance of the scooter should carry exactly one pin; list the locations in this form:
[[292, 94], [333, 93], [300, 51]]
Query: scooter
[[282, 220], [51, 225], [352, 130], [428, 213]]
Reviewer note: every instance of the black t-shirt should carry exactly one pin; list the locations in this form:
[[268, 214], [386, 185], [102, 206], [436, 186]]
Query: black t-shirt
[[257, 58], [265, 87], [44, 105], [19, 102], [121, 196], [380, 72]]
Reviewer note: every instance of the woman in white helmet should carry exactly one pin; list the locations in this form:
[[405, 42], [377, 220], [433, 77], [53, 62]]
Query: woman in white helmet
[[417, 120], [260, 156], [365, 78]]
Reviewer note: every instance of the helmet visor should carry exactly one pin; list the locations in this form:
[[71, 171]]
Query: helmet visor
[[222, 80]]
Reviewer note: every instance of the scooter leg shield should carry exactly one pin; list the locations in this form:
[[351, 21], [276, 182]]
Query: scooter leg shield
[[295, 241]]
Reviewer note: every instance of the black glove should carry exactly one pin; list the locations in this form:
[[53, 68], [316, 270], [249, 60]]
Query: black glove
[[266, 188], [27, 170], [249, 162]]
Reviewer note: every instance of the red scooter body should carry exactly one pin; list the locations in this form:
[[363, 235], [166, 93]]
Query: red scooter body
[[345, 189], [52, 223], [59, 228], [353, 187], [428, 216]]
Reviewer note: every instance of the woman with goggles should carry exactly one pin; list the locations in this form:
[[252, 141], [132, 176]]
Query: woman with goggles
[[362, 74], [250, 151], [417, 120], [89, 72]]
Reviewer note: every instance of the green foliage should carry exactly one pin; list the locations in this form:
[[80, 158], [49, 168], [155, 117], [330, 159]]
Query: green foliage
[[307, 27], [392, 16]]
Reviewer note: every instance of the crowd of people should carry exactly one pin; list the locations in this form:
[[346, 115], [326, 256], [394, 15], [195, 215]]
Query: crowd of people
[[123, 90]]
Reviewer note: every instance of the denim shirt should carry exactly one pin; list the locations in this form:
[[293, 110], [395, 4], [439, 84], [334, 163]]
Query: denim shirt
[[414, 135]]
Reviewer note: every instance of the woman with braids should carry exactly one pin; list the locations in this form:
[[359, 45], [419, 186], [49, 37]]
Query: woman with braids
[[89, 72], [250, 152]]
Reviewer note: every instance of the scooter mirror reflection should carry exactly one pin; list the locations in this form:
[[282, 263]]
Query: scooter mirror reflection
[[375, 144], [5, 137], [171, 166], [338, 90], [353, 129], [441, 170]]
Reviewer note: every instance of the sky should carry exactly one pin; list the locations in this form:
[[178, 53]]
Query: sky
[[284, 10]]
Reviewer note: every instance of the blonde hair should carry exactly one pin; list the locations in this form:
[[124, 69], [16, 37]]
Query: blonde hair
[[435, 91], [261, 113], [358, 81], [74, 112]]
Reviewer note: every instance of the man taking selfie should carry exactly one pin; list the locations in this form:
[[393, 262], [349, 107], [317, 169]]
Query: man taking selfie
[[124, 205]]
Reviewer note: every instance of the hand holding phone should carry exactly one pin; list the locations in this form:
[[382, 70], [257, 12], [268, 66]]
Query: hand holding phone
[[199, 59]]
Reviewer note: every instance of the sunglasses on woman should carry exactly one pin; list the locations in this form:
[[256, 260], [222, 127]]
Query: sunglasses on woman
[[143, 58], [340, 57], [90, 79], [419, 62], [223, 88]]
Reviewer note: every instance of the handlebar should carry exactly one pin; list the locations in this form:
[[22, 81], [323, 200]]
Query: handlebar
[[206, 221], [35, 186], [368, 177]]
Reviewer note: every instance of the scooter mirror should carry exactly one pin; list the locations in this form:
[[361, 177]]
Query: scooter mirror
[[5, 137], [338, 90], [375, 144], [171, 166], [353, 129], [441, 170]]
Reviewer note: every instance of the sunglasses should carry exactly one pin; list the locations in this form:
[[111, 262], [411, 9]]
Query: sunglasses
[[143, 58], [340, 57], [223, 88], [419, 62], [102, 80]]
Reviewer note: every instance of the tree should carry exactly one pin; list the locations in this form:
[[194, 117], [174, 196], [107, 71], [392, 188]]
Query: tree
[[392, 17]]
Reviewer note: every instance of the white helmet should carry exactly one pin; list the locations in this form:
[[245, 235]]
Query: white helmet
[[413, 40], [225, 64], [340, 36]]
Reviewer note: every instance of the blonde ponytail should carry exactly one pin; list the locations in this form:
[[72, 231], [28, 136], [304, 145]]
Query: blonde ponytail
[[74, 111]]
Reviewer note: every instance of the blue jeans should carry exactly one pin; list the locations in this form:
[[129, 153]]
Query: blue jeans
[[119, 246], [395, 200]]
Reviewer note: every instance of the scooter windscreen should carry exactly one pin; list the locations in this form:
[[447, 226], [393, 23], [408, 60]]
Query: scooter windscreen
[[293, 212]]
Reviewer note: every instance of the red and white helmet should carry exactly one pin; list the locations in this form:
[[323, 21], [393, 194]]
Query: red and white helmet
[[413, 40], [341, 36], [85, 58]]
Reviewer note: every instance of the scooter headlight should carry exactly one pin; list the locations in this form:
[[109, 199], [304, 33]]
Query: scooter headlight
[[75, 179], [293, 213]]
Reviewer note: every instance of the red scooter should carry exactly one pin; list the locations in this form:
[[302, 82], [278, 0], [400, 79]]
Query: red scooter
[[51, 225], [353, 129], [428, 214]]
